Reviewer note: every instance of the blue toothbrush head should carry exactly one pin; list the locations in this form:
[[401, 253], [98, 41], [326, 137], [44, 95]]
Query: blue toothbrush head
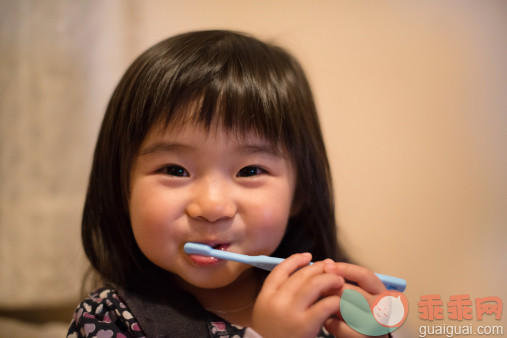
[[197, 248]]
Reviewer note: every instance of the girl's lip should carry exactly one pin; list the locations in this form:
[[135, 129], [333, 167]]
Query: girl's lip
[[216, 245], [201, 260]]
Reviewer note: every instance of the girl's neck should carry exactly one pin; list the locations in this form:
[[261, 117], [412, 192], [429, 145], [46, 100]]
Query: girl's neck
[[233, 302]]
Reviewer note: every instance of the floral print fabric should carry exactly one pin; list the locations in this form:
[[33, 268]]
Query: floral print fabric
[[104, 315]]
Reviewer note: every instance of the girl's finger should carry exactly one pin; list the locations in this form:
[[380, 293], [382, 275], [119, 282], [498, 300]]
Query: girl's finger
[[323, 309], [318, 286], [286, 268], [299, 278], [363, 277]]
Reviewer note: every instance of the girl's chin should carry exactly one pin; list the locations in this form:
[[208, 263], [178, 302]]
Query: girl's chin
[[192, 284], [218, 280]]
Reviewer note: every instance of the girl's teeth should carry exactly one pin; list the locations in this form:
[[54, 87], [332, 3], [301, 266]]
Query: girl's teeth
[[219, 246]]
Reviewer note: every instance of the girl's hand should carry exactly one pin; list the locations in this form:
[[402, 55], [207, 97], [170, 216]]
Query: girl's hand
[[296, 303], [368, 284]]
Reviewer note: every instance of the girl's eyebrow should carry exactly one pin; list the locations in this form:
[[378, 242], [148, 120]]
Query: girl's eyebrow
[[261, 148], [247, 148], [163, 147]]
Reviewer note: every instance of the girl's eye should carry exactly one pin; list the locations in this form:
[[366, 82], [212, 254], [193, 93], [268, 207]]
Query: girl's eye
[[250, 171], [175, 170]]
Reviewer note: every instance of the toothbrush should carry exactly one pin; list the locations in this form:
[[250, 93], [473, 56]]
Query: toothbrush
[[269, 263]]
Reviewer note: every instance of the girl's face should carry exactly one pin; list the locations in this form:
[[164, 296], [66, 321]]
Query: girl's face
[[190, 185]]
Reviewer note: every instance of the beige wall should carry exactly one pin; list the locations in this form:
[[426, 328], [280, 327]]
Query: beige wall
[[412, 97]]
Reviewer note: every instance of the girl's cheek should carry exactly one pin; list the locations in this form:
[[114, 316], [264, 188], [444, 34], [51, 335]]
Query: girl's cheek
[[152, 217], [267, 226]]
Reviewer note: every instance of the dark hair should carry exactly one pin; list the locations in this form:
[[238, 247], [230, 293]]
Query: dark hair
[[242, 83]]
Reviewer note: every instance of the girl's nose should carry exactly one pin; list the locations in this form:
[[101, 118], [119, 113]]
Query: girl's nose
[[212, 202]]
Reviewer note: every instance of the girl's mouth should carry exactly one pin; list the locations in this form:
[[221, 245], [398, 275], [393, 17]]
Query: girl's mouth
[[201, 260], [220, 246]]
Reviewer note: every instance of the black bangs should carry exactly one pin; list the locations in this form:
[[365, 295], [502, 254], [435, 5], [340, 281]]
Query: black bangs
[[229, 80]]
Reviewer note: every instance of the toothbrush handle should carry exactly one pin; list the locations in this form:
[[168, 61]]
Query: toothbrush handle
[[265, 262], [390, 282], [231, 256], [269, 263]]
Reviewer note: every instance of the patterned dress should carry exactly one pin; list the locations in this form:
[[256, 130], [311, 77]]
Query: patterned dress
[[105, 314]]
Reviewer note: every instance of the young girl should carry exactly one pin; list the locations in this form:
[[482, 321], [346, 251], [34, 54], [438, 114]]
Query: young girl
[[213, 137]]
